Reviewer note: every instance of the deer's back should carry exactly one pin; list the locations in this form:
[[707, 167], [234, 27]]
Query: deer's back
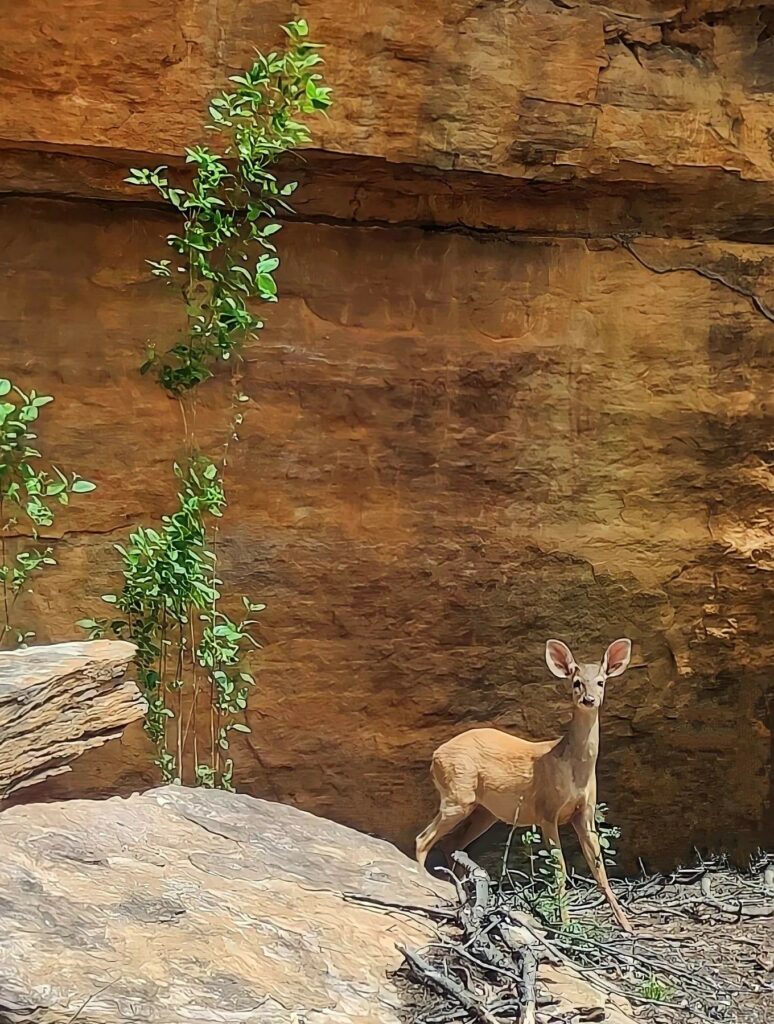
[[495, 768]]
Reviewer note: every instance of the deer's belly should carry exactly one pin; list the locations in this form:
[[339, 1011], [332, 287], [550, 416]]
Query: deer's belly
[[521, 812], [568, 810], [532, 812]]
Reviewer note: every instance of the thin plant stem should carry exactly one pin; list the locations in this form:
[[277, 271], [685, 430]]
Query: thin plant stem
[[179, 685], [6, 567]]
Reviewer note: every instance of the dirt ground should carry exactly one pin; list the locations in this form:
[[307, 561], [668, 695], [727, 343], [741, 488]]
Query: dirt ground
[[708, 933], [702, 949]]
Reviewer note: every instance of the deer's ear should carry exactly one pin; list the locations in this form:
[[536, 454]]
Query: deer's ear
[[559, 659], [617, 657]]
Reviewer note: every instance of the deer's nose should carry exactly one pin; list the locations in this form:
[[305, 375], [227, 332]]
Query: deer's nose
[[589, 702]]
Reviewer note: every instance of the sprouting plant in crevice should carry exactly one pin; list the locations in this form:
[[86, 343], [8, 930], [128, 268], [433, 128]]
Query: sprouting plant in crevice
[[188, 648], [30, 491], [228, 209], [655, 990]]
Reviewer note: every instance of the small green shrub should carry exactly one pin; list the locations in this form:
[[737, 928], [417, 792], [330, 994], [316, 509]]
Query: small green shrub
[[30, 492], [655, 989], [186, 645]]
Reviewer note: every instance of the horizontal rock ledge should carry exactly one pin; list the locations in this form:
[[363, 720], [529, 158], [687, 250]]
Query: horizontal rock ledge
[[59, 700], [371, 190]]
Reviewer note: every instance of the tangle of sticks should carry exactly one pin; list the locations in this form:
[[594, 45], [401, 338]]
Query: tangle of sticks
[[477, 970]]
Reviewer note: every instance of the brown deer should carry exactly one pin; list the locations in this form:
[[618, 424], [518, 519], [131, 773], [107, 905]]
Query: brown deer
[[486, 775]]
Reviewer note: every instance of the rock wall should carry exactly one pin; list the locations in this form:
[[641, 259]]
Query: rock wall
[[479, 416]]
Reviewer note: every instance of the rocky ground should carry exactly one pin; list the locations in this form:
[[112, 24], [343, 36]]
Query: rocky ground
[[203, 907], [189, 906]]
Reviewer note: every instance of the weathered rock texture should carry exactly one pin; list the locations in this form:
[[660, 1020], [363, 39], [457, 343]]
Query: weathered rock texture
[[58, 701], [476, 418], [182, 905], [192, 906], [522, 88]]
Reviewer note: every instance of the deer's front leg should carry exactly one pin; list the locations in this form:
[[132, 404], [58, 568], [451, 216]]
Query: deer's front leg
[[551, 834], [585, 826]]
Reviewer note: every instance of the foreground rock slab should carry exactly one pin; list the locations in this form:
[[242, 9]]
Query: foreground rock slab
[[197, 906], [186, 906], [58, 701]]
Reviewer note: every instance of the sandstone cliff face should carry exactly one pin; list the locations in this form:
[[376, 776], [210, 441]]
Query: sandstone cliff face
[[477, 417]]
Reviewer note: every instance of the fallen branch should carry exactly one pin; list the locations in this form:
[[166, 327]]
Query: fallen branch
[[528, 980], [476, 909], [738, 910], [412, 909], [443, 983]]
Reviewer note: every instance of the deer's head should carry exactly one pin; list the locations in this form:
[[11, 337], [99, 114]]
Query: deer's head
[[588, 681]]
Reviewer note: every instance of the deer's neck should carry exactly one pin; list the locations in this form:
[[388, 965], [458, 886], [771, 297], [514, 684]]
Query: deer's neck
[[582, 739]]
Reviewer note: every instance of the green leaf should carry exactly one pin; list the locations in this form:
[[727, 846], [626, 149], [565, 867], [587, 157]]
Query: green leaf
[[266, 285], [5, 385], [83, 487], [239, 727], [109, 598]]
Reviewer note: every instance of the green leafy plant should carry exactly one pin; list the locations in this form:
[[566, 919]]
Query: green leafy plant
[[30, 492], [608, 834], [530, 840], [228, 210], [652, 988], [546, 895], [190, 651], [187, 646]]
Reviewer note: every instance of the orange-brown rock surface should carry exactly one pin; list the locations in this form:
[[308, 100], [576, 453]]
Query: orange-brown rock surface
[[477, 417]]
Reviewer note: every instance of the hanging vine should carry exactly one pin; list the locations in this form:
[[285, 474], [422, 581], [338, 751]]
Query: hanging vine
[[229, 210], [224, 262]]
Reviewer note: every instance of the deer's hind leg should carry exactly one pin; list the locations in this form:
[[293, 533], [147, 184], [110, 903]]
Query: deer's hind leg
[[445, 821], [475, 825], [458, 802]]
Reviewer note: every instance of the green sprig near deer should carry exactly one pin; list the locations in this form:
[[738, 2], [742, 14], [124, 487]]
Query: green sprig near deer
[[487, 775]]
